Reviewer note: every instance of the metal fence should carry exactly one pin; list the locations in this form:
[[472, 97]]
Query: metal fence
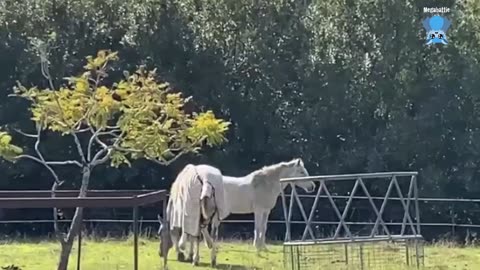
[[38, 199], [359, 247], [246, 221]]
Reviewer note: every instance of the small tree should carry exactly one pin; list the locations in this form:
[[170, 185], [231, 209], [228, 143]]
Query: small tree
[[134, 118]]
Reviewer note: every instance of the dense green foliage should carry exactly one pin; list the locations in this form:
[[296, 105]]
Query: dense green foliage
[[347, 85]]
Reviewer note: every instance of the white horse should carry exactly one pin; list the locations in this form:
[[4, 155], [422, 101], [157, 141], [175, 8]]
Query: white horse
[[258, 192], [196, 196]]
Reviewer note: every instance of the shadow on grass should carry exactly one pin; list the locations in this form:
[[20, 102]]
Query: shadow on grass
[[222, 266], [235, 267]]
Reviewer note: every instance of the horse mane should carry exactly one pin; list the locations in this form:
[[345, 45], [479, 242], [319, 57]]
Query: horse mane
[[265, 174], [177, 189]]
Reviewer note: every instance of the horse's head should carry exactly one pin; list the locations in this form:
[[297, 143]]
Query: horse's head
[[297, 169], [166, 242]]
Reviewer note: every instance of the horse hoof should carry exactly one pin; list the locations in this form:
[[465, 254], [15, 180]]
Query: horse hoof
[[195, 263], [214, 263], [180, 257]]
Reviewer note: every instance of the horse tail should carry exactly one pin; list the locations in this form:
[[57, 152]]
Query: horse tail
[[203, 207], [205, 218]]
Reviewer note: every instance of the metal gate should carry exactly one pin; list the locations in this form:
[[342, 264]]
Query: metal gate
[[360, 237]]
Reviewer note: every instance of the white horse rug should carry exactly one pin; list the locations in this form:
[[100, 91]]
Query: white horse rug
[[192, 184]]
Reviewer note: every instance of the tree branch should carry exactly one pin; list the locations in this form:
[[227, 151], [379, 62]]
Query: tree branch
[[53, 163], [79, 147], [26, 134], [111, 132], [46, 73], [168, 162], [97, 160], [95, 137], [128, 150], [109, 149], [82, 130], [56, 182], [66, 162], [90, 142]]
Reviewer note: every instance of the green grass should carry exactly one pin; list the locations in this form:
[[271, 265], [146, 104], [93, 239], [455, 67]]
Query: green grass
[[118, 254]]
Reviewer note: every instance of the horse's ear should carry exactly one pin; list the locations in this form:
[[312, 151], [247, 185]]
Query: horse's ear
[[292, 163], [298, 162]]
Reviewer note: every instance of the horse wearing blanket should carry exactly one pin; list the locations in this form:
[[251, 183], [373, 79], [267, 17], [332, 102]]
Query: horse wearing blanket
[[196, 198]]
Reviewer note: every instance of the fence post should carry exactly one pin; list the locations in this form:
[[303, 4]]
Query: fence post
[[285, 214], [79, 253], [417, 208], [135, 238]]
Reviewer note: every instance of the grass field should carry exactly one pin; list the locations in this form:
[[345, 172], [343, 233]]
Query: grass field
[[117, 254]]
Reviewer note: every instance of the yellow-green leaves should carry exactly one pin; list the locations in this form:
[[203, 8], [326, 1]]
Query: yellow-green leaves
[[118, 158], [207, 126], [7, 150], [147, 117], [83, 102], [102, 59]]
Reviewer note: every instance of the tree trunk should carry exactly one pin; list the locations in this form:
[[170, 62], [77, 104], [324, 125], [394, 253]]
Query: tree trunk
[[76, 223]]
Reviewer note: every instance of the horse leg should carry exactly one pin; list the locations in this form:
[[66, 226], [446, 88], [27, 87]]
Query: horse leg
[[196, 257], [210, 243], [213, 254], [257, 232], [175, 240], [208, 239], [190, 250], [215, 227], [264, 225], [183, 240]]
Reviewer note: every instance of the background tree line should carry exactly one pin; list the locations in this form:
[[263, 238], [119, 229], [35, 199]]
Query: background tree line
[[349, 86]]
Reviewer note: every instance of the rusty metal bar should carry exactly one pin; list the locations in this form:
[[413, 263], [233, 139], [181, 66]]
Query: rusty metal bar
[[16, 199], [104, 202], [72, 193], [87, 202], [151, 197]]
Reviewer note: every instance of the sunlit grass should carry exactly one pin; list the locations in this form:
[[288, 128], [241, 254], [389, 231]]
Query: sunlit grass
[[112, 254]]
